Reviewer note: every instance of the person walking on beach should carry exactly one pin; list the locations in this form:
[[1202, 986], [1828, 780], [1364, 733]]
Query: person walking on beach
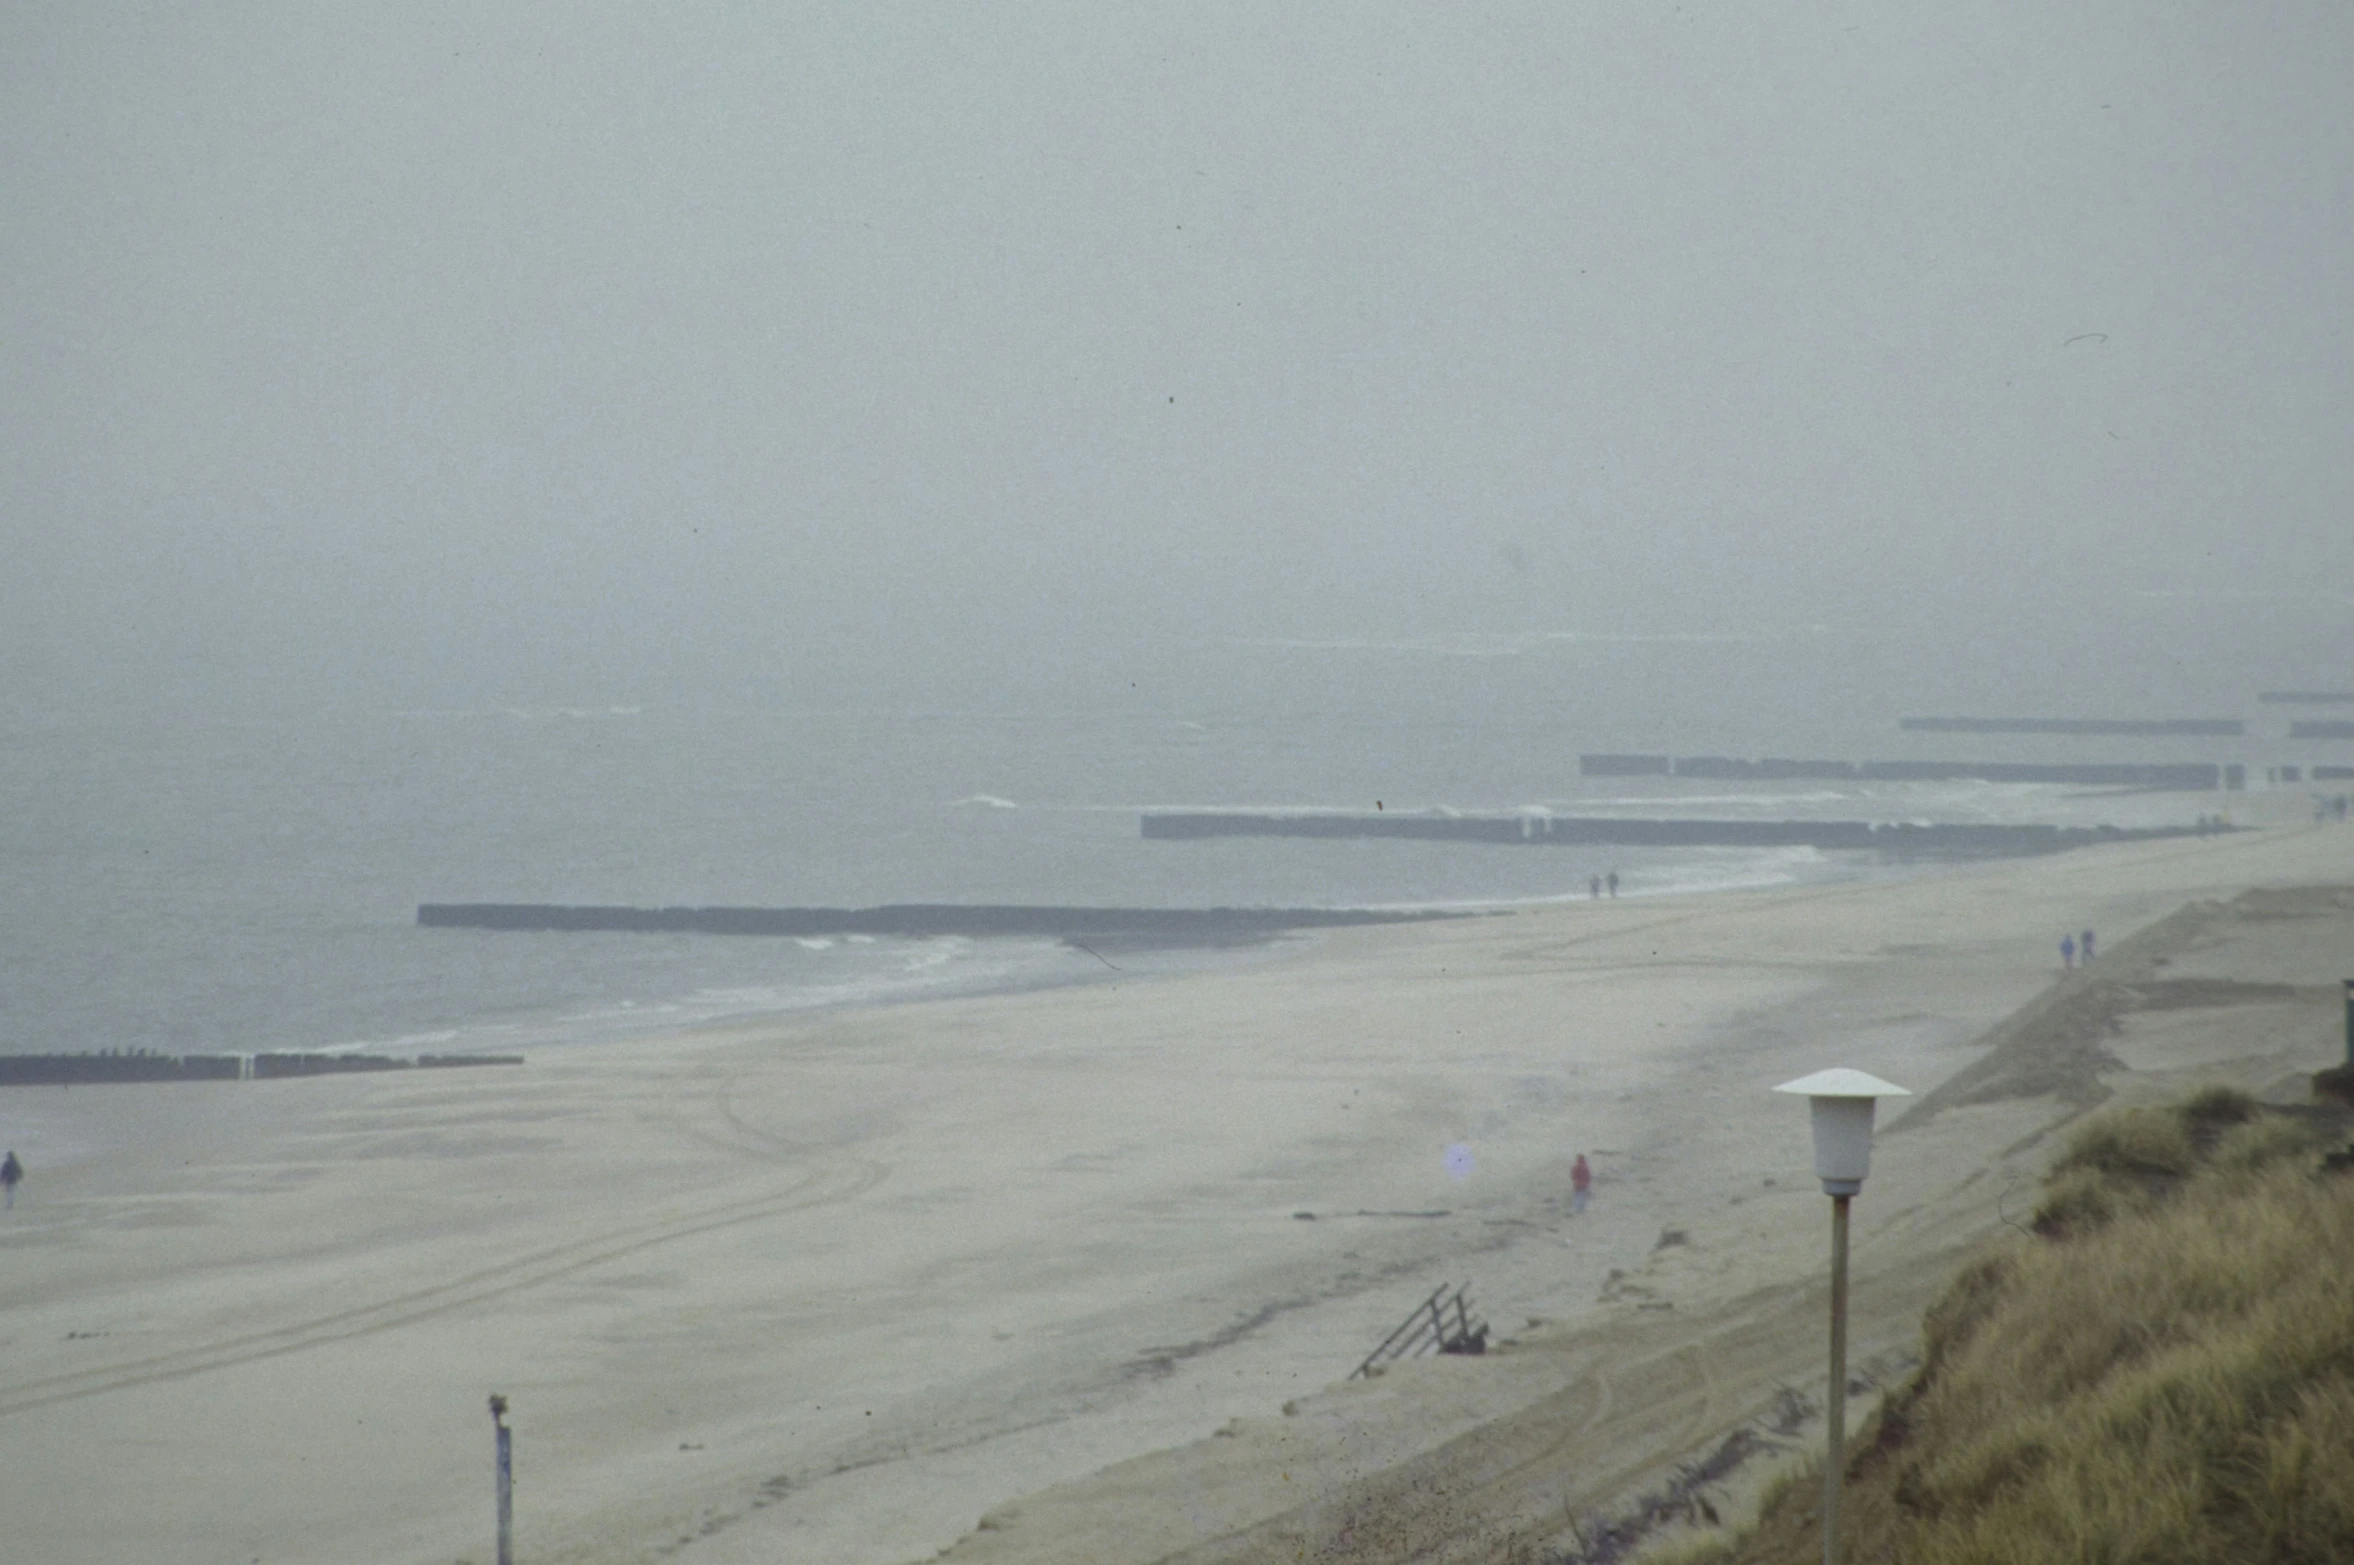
[[2068, 951], [12, 1174], [2084, 944], [1613, 884], [1581, 1185]]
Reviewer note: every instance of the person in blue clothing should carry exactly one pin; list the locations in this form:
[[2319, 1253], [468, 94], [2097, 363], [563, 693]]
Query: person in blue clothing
[[12, 1174], [2068, 951]]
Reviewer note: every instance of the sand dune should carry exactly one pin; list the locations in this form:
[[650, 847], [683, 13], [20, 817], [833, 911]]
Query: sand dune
[[835, 1289]]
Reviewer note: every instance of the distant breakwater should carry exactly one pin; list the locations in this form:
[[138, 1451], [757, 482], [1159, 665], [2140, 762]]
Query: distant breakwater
[[2158, 727], [2185, 777], [1898, 839], [920, 920], [49, 1070]]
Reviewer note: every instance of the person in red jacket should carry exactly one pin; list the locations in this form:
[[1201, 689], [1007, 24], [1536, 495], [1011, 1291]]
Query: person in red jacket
[[1581, 1185]]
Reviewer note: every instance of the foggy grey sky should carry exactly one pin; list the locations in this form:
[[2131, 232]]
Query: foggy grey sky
[[444, 353]]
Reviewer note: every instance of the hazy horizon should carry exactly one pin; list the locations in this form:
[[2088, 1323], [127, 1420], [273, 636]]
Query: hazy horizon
[[1981, 355]]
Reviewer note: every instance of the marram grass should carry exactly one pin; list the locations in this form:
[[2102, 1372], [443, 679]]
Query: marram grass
[[2165, 1376]]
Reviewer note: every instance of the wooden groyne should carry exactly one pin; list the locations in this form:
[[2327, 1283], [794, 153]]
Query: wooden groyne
[[1899, 839], [1175, 926], [2172, 777], [129, 1065], [2153, 727]]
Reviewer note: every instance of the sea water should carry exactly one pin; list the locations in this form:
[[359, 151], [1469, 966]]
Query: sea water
[[194, 884]]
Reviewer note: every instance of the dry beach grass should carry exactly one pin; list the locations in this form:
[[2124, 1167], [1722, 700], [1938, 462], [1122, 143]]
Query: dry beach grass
[[2165, 1372]]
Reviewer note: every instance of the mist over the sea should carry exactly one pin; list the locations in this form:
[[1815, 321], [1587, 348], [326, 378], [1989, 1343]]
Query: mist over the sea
[[814, 454], [1949, 357]]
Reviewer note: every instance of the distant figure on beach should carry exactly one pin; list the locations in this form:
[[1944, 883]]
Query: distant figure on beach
[[1613, 883], [1594, 886], [2068, 951], [1581, 1185], [2084, 944], [12, 1174]]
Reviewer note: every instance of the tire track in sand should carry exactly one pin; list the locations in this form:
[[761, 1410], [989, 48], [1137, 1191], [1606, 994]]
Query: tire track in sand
[[838, 1178], [1458, 1502]]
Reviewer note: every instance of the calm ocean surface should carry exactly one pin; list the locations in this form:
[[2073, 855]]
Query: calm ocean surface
[[185, 884]]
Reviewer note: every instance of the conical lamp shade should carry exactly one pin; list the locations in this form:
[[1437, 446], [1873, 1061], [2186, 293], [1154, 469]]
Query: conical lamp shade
[[1842, 1101]]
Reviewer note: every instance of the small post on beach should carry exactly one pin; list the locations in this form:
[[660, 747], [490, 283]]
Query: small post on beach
[[1841, 1101], [2349, 1021], [506, 1459]]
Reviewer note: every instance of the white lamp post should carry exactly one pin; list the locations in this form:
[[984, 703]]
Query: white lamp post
[[1842, 1102]]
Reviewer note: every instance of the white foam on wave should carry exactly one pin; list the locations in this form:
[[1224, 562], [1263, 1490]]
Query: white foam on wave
[[1677, 872], [988, 801], [1474, 644], [931, 955], [526, 714], [750, 997], [1294, 809], [1662, 801], [1513, 643], [905, 970], [1750, 870], [406, 1043], [816, 974]]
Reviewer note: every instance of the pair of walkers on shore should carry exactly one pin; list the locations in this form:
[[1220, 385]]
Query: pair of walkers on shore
[[2071, 946]]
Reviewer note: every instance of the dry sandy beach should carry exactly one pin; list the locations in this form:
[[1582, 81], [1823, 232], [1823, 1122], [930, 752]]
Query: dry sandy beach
[[836, 1288]]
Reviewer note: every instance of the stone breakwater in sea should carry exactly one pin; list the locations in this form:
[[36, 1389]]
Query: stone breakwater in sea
[[1176, 926], [2172, 777], [1899, 839], [129, 1065]]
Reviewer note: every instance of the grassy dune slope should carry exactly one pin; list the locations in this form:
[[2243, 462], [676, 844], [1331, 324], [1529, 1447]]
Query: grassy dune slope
[[2162, 1371]]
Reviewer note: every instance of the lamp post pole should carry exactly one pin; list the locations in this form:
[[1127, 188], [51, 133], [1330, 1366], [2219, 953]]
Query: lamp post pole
[[505, 1443], [1840, 1104], [1835, 1404]]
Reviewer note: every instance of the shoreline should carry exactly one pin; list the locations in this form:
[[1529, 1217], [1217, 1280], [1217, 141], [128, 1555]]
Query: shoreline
[[835, 1286]]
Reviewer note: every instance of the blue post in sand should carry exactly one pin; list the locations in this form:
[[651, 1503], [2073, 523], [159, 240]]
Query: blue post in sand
[[506, 1438]]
